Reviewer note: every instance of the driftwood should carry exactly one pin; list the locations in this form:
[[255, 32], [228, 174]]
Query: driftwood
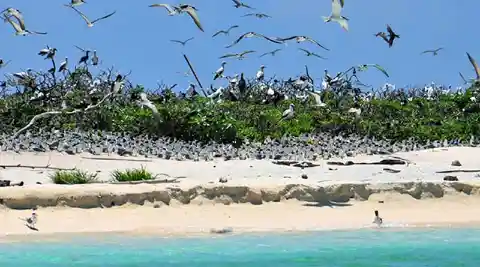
[[454, 171], [155, 181], [382, 162], [36, 167], [126, 159], [293, 163]]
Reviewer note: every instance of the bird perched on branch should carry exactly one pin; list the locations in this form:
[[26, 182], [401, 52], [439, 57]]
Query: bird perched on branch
[[48, 52], [219, 72]]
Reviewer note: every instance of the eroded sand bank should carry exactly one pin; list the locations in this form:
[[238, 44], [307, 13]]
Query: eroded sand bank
[[259, 196]]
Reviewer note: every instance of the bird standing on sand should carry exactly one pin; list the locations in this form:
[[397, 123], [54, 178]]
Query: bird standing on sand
[[219, 72], [32, 220], [434, 51], [335, 15], [261, 73], [88, 21], [377, 220], [225, 32]]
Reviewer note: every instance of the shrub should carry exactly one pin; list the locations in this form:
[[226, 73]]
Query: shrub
[[131, 175], [73, 177]]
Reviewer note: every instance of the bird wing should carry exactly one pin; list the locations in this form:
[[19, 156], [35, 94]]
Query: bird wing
[[14, 25], [104, 17], [463, 78], [380, 68], [177, 41], [35, 32], [226, 56], [80, 13], [238, 40], [342, 3], [166, 6], [191, 12], [475, 66], [237, 2], [427, 51], [316, 55], [247, 52], [18, 16], [189, 39], [288, 38], [336, 8], [232, 27], [217, 33], [305, 50], [267, 38], [390, 31], [438, 49], [317, 43]]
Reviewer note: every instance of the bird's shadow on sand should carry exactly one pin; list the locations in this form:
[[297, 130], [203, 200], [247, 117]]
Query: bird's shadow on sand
[[330, 204], [31, 227]]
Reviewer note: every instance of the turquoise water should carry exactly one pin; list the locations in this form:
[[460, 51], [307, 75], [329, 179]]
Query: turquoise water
[[411, 248]]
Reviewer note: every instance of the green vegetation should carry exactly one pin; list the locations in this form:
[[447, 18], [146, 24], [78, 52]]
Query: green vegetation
[[73, 177], [132, 175], [448, 116]]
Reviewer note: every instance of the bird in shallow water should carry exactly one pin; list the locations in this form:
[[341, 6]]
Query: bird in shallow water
[[87, 20], [308, 53], [335, 15], [219, 72], [433, 51], [239, 4], [225, 32]]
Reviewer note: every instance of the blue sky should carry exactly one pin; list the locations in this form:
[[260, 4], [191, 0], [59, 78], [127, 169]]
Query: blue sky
[[137, 38]]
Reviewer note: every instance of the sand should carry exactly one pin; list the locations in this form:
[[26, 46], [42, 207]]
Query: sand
[[259, 195]]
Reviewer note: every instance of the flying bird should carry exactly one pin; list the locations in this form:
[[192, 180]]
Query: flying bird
[[273, 53], [20, 28], [475, 66], [219, 72], [3, 63], [183, 43], [250, 35], [434, 52], [391, 36], [17, 14], [172, 10], [258, 15], [308, 53], [239, 4], [90, 23], [239, 56], [226, 32], [302, 38], [335, 15], [192, 12], [378, 67], [77, 2]]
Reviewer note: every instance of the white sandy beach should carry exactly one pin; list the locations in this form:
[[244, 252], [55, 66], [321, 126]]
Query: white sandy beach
[[259, 195]]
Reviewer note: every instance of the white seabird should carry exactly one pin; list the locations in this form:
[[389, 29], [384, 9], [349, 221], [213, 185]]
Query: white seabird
[[20, 28], [144, 101], [117, 84], [63, 65], [90, 23], [94, 58], [335, 15], [77, 2], [219, 72], [217, 93], [318, 99], [172, 10], [288, 113], [261, 73], [192, 12]]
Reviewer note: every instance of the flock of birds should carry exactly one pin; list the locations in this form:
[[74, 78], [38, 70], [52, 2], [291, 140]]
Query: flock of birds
[[16, 19]]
